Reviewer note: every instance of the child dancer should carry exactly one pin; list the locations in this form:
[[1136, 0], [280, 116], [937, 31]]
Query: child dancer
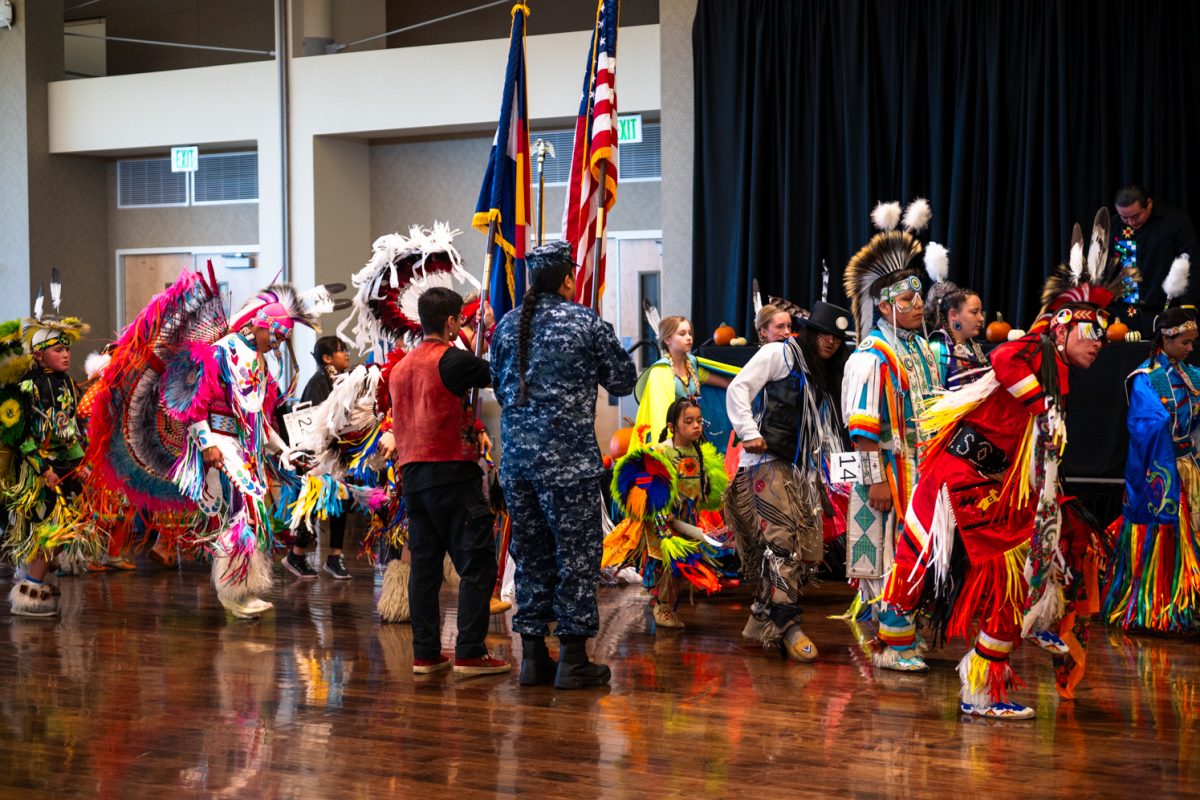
[[1154, 577], [673, 545]]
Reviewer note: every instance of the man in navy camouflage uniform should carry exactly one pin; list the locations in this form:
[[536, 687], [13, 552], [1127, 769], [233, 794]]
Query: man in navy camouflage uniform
[[547, 361]]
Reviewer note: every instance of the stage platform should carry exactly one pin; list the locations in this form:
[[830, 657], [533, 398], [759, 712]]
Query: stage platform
[[143, 689]]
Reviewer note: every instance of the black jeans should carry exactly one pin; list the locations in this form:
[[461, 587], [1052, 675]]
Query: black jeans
[[337, 533], [453, 518]]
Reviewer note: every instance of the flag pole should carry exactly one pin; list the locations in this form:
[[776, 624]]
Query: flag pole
[[602, 190], [476, 399], [543, 147]]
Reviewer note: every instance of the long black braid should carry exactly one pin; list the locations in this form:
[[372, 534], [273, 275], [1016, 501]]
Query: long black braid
[[549, 265]]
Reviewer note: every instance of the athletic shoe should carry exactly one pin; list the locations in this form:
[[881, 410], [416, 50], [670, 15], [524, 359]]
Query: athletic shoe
[[424, 666], [487, 664], [665, 617], [999, 711], [298, 565], [336, 567], [1050, 642]]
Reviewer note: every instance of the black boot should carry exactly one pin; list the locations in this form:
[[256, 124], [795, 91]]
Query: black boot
[[537, 667], [574, 669]]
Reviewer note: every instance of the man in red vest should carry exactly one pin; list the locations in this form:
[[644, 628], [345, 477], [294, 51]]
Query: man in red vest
[[437, 451]]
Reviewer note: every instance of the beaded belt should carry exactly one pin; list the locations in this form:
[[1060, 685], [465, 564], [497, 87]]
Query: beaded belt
[[971, 446], [223, 423]]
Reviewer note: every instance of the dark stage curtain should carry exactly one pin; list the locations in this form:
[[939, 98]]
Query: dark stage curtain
[[1016, 119]]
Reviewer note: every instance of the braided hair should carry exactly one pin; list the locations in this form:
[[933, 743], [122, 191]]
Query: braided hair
[[549, 265], [944, 296], [674, 412]]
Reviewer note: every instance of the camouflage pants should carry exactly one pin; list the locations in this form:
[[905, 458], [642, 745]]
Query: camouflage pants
[[556, 545]]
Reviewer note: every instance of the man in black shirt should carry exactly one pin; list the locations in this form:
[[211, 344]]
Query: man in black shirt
[[1151, 235]]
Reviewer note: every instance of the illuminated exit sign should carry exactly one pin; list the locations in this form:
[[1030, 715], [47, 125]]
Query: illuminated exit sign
[[629, 129], [186, 159]]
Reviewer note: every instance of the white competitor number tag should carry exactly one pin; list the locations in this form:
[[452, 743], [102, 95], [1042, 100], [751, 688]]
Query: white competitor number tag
[[856, 467], [300, 424]]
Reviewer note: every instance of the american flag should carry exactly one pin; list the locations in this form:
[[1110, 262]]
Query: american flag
[[595, 144], [504, 195]]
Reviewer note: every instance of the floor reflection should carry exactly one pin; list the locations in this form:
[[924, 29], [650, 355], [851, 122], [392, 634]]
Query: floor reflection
[[143, 688]]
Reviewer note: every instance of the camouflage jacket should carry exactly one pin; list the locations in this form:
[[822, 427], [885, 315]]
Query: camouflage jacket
[[571, 352]]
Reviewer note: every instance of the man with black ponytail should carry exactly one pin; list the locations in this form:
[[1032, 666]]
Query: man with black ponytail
[[547, 362]]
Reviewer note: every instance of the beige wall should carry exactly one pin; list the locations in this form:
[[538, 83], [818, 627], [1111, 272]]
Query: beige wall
[[342, 238], [419, 181]]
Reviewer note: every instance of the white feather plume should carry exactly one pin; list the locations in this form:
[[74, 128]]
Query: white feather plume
[[1176, 282], [1076, 263], [55, 290], [886, 216], [755, 297], [937, 262], [318, 300], [653, 317], [95, 363], [917, 215], [1097, 248], [39, 304]]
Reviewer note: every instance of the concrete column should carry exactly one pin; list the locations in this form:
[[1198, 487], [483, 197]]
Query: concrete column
[[53, 206], [678, 145]]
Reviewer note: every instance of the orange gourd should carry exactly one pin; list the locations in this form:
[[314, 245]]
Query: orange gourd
[[618, 445], [998, 330], [723, 335], [1117, 331]]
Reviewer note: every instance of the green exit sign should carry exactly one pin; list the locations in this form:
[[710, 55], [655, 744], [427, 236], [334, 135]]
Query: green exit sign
[[185, 159], [629, 129]]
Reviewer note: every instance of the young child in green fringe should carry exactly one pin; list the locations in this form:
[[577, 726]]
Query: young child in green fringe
[[50, 445], [675, 546]]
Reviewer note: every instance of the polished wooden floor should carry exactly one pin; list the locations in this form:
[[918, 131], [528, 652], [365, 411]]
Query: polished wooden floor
[[143, 689]]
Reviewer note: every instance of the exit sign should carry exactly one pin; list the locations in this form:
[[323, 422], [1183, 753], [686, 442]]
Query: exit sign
[[629, 129], [186, 159]]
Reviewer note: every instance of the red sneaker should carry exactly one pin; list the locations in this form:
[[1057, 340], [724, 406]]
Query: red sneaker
[[487, 664], [424, 666]]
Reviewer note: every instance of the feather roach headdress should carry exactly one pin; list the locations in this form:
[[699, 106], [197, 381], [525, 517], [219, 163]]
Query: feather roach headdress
[[280, 308], [42, 331], [886, 260], [384, 309], [1094, 280]]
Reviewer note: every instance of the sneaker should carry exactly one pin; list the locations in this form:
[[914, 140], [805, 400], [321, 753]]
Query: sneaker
[[797, 646], [487, 664], [298, 565], [424, 666], [999, 711], [1050, 642], [336, 567], [665, 617]]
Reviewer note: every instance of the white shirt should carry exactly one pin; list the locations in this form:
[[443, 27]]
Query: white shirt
[[771, 363]]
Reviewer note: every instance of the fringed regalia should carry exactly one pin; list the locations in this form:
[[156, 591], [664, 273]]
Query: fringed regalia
[[1154, 571], [38, 422], [988, 535], [672, 532]]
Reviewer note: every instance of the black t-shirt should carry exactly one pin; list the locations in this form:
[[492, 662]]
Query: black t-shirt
[[460, 372]]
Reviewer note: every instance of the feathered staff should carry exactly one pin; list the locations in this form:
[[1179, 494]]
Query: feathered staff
[[1176, 283], [653, 318]]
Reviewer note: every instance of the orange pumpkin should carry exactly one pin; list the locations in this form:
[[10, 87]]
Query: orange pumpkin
[[1117, 331], [998, 330], [618, 445], [723, 335]]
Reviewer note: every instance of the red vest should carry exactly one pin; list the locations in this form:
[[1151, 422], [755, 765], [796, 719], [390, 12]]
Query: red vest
[[430, 423]]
